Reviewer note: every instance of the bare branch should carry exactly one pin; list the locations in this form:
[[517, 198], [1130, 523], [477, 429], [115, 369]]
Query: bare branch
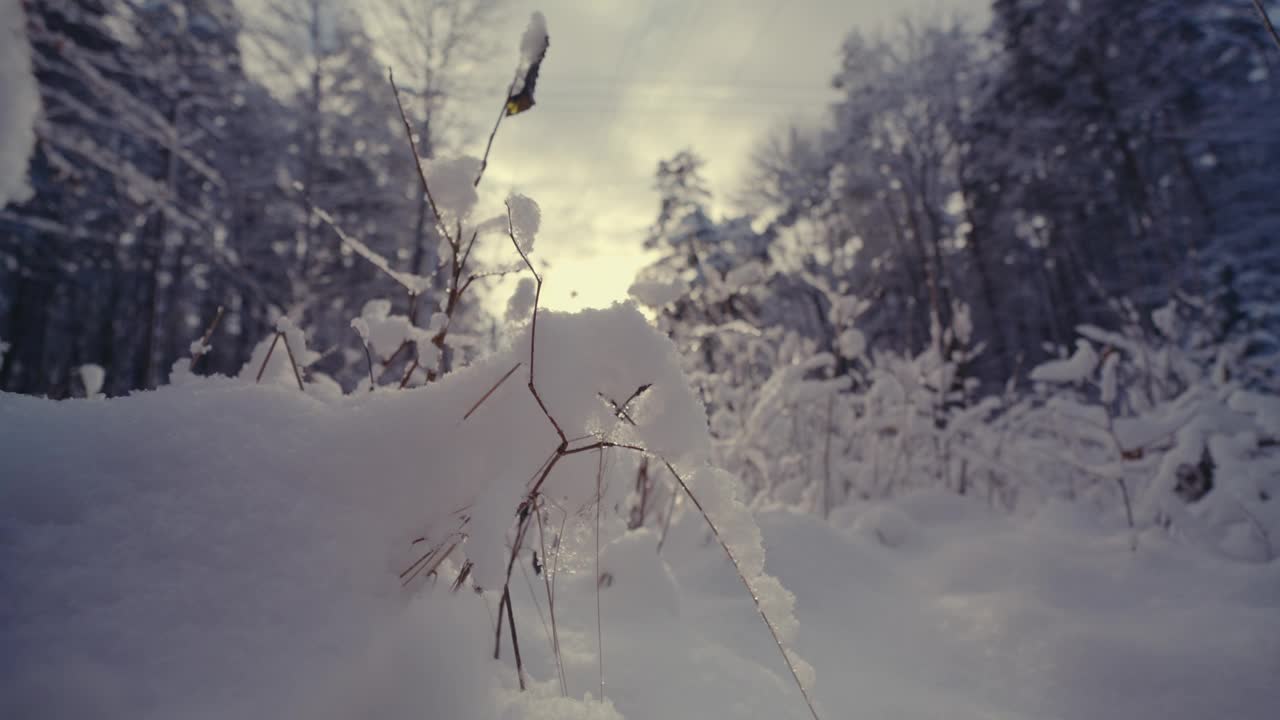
[[417, 162]]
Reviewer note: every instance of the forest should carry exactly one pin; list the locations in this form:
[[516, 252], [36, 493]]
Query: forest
[[964, 401]]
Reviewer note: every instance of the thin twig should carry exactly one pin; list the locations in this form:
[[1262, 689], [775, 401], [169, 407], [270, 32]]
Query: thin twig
[[1266, 20], [417, 162], [386, 364], [484, 161], [515, 640], [427, 564], [619, 411], [204, 339], [408, 373], [751, 591], [463, 574], [293, 363], [369, 357], [542, 618], [492, 390], [600, 445], [548, 580], [599, 626], [533, 329], [267, 359]]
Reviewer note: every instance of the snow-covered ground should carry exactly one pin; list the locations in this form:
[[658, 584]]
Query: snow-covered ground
[[936, 607], [224, 549]]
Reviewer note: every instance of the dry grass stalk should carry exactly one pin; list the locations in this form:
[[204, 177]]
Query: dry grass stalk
[[599, 626], [292, 362], [368, 356], [492, 390], [751, 591]]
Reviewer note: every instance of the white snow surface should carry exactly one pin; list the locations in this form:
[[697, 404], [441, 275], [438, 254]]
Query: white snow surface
[[224, 549], [20, 105]]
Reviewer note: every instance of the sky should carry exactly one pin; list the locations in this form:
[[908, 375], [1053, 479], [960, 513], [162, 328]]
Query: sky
[[629, 82]]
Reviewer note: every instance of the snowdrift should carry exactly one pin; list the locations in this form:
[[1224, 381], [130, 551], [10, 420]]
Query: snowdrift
[[220, 548]]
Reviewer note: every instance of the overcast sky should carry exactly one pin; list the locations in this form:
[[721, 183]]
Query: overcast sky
[[628, 82]]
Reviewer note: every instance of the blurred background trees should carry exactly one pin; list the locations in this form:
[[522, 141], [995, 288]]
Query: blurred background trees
[[168, 181], [1034, 259]]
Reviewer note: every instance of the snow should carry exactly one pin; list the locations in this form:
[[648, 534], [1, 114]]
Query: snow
[[655, 293], [361, 326], [416, 284], [274, 359], [91, 376], [852, 343], [533, 44], [525, 219], [383, 332], [520, 304], [452, 183], [221, 548], [1108, 382], [977, 615], [745, 275], [21, 103], [1074, 369]]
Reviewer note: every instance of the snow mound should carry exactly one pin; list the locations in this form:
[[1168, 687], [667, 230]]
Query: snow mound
[[223, 548]]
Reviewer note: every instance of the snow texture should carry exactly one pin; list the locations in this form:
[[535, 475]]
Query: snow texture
[[655, 293], [853, 343], [222, 548], [520, 304], [452, 183], [1074, 369], [525, 219], [19, 103], [534, 41], [91, 376]]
